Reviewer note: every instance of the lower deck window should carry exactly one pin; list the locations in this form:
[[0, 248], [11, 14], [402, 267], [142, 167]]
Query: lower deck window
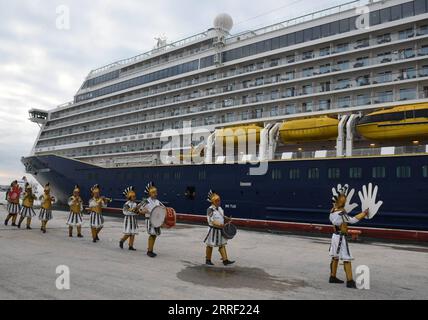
[[404, 172], [355, 173]]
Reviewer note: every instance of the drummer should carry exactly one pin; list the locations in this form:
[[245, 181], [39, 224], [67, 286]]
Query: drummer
[[130, 223], [146, 208], [13, 207], [214, 238], [27, 210], [46, 207]]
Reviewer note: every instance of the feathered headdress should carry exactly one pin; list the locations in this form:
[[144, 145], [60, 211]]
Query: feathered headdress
[[76, 188], [150, 188], [95, 188], [212, 196], [128, 192], [47, 187], [341, 191], [28, 186]]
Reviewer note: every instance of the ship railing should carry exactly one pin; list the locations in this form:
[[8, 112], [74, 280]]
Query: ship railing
[[304, 18], [150, 53], [361, 81], [273, 63]]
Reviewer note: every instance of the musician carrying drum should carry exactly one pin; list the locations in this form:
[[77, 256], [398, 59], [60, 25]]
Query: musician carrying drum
[[155, 213], [215, 238], [13, 206]]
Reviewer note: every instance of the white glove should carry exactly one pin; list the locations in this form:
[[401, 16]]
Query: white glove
[[368, 200], [349, 194]]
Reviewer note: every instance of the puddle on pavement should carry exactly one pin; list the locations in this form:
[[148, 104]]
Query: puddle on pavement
[[236, 277]]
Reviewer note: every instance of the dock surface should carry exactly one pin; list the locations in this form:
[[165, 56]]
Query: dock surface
[[268, 266]]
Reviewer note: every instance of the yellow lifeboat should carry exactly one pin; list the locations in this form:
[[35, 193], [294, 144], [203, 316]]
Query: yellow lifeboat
[[397, 123], [240, 133], [309, 129]]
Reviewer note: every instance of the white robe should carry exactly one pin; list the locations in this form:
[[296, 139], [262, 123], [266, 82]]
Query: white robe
[[97, 219], [130, 222], [215, 237], [339, 245]]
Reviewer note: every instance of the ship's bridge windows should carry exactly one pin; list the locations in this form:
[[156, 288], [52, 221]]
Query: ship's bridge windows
[[276, 174], [425, 171], [294, 174], [355, 173], [378, 172], [333, 173], [403, 172], [313, 173]]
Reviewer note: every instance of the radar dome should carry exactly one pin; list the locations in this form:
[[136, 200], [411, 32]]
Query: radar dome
[[224, 22]]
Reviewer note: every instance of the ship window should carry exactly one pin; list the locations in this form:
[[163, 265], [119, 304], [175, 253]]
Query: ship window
[[344, 25], [299, 36], [385, 15], [408, 10], [420, 6], [378, 172], [374, 17], [404, 172], [190, 193], [177, 175], [333, 173], [291, 39], [307, 35], [202, 175], [325, 30], [355, 173], [407, 94], [334, 28], [294, 174], [396, 12], [283, 41], [276, 174], [313, 173], [425, 171], [316, 32]]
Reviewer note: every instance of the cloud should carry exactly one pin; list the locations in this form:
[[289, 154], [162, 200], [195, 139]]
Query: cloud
[[43, 66]]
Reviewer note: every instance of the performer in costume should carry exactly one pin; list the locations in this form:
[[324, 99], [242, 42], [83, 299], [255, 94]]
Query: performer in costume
[[146, 208], [339, 249], [27, 210], [75, 219], [96, 205], [46, 207], [214, 238], [130, 223], [13, 208]]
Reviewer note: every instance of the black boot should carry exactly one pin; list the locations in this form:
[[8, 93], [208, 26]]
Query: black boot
[[96, 238], [228, 262], [6, 222], [208, 262], [132, 249], [121, 244], [29, 228], [79, 235], [14, 224], [351, 284], [151, 254], [335, 280]]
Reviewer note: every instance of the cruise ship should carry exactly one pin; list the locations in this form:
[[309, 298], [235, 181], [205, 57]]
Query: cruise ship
[[335, 96]]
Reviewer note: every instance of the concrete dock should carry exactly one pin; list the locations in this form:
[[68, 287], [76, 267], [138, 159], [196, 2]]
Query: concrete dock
[[269, 266]]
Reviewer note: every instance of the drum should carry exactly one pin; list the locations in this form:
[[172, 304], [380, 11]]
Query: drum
[[157, 216], [171, 218], [13, 195], [229, 231]]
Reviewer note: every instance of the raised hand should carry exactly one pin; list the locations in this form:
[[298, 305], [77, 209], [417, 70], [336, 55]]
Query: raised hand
[[368, 200], [349, 195]]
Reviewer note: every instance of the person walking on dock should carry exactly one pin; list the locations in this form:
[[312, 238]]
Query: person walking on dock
[[46, 207], [75, 217], [96, 205], [130, 222], [13, 207], [27, 210]]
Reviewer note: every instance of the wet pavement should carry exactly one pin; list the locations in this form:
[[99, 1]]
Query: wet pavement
[[268, 266]]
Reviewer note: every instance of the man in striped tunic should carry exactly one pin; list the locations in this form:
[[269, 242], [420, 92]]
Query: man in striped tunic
[[75, 219], [146, 208], [214, 238], [13, 208], [46, 207], [130, 223], [339, 249], [96, 205], [27, 210]]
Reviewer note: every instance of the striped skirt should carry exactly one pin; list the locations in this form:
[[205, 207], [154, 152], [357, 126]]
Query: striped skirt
[[97, 220], [45, 215], [215, 238], [13, 208], [151, 230], [130, 225], [27, 212], [74, 219]]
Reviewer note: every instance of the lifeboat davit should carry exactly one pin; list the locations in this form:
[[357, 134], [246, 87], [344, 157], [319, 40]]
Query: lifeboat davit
[[239, 133], [309, 129], [398, 123]]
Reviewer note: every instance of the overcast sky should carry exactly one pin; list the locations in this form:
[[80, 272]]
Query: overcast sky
[[43, 66]]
